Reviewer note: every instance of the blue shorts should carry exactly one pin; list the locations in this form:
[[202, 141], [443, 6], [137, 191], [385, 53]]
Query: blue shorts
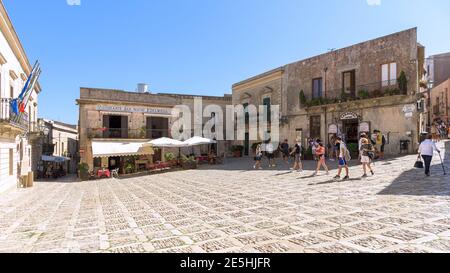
[[342, 162]]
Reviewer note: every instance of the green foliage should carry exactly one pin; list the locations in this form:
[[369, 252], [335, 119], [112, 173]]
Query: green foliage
[[363, 94], [169, 156], [302, 98], [237, 148], [83, 167], [353, 148], [403, 82], [188, 159], [129, 167]]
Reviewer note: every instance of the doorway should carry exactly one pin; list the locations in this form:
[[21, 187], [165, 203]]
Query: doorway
[[113, 163], [350, 129], [157, 127]]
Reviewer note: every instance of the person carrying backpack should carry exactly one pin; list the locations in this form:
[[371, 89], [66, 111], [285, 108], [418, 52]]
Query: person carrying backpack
[[344, 158], [367, 154]]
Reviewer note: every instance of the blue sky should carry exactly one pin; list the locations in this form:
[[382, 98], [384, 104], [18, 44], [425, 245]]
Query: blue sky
[[198, 46]]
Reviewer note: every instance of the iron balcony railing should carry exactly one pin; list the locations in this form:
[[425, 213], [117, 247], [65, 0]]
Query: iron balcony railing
[[359, 92], [8, 116], [124, 133]]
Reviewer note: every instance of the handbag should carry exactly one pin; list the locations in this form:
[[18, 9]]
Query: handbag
[[418, 164]]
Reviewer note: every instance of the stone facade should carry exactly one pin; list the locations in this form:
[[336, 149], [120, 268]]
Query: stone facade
[[94, 104], [440, 101], [361, 81], [438, 68]]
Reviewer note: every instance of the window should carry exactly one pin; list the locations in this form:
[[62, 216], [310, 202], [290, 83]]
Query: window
[[97, 162], [388, 74], [11, 162], [315, 127], [349, 82], [267, 103], [62, 148], [11, 91], [317, 88]]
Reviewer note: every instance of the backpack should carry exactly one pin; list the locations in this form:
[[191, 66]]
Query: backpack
[[348, 157], [298, 149]]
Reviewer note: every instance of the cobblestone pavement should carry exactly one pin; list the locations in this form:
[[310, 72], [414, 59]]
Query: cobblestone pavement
[[234, 210]]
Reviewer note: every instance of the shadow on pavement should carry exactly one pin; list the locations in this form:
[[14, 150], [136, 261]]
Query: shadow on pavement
[[414, 182]]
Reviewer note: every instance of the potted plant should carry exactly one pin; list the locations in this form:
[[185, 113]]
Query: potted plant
[[170, 158], [189, 162], [353, 149], [83, 171], [403, 82], [129, 168], [237, 150]]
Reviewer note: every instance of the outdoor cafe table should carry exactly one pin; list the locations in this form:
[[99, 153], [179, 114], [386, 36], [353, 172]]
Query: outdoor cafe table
[[102, 173]]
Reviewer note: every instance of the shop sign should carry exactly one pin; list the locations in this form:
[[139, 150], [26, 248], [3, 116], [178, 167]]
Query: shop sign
[[364, 127], [128, 109], [409, 108], [333, 129], [349, 116]]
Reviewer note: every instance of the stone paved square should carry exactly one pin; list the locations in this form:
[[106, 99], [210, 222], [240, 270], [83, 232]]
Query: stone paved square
[[232, 208]]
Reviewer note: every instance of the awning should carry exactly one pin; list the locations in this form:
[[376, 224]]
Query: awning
[[57, 159], [114, 148]]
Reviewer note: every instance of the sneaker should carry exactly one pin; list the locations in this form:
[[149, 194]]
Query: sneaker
[[315, 174], [254, 166], [372, 172], [260, 168], [300, 171], [364, 176], [346, 178], [337, 177]]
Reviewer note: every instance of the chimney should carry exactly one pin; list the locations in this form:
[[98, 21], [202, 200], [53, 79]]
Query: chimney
[[142, 88]]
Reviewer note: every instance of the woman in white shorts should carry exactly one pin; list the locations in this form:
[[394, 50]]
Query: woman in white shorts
[[366, 150]]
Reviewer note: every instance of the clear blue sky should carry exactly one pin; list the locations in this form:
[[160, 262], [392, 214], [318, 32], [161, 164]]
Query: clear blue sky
[[198, 46]]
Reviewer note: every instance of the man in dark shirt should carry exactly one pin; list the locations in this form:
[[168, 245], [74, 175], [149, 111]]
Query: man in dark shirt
[[284, 148]]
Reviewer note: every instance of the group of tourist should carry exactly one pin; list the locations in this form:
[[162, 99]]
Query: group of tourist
[[366, 151], [439, 131]]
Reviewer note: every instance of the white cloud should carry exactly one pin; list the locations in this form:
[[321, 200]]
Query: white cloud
[[373, 2], [73, 2]]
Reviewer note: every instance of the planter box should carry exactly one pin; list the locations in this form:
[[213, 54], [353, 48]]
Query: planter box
[[190, 165]]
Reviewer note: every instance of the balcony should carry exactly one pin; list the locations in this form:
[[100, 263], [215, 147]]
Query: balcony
[[361, 92], [124, 133], [10, 119]]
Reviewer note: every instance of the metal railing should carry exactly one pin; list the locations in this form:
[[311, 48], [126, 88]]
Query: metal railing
[[359, 92], [8, 116], [124, 133]]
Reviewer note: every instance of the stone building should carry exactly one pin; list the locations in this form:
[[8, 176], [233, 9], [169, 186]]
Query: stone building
[[58, 142], [360, 88], [440, 101], [17, 132], [119, 118], [438, 68]]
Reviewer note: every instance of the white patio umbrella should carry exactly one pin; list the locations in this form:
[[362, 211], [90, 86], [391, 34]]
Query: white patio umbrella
[[196, 141], [167, 143]]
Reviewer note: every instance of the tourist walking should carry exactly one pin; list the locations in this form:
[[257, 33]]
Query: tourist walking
[[426, 150], [297, 152], [344, 157], [320, 152], [367, 154], [258, 157], [270, 154], [284, 148]]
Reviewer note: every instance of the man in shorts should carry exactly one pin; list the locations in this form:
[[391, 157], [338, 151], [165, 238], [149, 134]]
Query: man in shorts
[[343, 164]]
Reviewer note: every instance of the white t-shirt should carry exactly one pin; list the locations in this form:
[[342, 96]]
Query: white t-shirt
[[428, 147], [269, 148]]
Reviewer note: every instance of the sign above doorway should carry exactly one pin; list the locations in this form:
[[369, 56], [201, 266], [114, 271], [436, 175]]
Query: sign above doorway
[[349, 116]]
